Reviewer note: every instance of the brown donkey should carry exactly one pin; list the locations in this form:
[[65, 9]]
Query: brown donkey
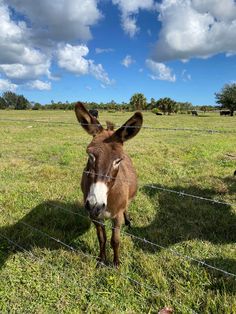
[[109, 181]]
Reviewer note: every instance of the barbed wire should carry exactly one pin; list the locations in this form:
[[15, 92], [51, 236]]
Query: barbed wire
[[175, 252], [85, 254], [209, 131], [152, 289], [152, 186], [41, 261]]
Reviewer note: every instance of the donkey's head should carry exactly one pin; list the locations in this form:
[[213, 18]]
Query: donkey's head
[[105, 155]]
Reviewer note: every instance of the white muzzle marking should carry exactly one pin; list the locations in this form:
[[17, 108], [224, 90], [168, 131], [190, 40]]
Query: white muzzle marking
[[97, 194]]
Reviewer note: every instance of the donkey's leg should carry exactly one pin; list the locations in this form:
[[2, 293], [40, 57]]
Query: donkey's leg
[[115, 239], [101, 233], [127, 219]]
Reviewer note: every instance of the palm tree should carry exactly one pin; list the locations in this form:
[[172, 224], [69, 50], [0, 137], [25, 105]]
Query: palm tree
[[138, 102], [166, 105]]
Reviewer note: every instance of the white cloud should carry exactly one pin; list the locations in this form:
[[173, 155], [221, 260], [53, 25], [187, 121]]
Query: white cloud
[[130, 8], [6, 85], [160, 71], [99, 73], [29, 37], [186, 76], [25, 71], [103, 50], [18, 58], [40, 85], [60, 20], [127, 61], [72, 58], [195, 29]]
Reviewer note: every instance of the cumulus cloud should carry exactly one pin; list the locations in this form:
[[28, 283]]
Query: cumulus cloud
[[6, 85], [72, 58], [25, 71], [195, 29], [127, 61], [18, 58], [160, 71], [29, 36], [129, 10], [40, 85], [61, 20]]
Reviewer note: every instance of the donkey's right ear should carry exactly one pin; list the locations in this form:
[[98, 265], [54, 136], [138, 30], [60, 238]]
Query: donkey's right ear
[[87, 121]]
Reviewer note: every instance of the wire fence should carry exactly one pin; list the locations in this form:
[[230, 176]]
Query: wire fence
[[40, 260], [145, 127], [153, 290], [175, 252], [150, 186], [156, 187]]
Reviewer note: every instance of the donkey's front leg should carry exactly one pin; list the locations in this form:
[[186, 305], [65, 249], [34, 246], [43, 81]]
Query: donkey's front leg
[[101, 233], [115, 239]]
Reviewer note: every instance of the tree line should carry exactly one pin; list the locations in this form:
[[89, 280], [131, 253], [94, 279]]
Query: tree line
[[226, 98]]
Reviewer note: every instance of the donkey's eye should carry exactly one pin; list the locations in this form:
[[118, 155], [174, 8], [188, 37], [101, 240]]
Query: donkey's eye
[[117, 162], [92, 158]]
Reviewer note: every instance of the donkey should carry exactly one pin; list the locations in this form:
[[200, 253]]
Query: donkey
[[109, 180]]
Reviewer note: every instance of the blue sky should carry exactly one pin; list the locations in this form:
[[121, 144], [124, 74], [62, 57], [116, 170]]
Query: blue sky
[[69, 50]]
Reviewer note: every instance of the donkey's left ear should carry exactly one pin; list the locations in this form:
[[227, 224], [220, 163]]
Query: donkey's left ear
[[87, 121], [130, 128]]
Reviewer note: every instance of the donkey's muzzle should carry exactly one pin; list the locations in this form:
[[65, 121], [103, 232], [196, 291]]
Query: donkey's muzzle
[[94, 210]]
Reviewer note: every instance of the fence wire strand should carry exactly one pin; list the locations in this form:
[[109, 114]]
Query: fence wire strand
[[152, 289], [152, 186], [41, 261], [147, 127], [175, 252]]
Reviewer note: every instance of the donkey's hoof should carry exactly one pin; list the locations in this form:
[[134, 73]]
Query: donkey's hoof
[[116, 264], [101, 262]]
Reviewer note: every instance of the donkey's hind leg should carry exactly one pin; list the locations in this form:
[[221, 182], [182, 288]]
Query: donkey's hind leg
[[127, 219]]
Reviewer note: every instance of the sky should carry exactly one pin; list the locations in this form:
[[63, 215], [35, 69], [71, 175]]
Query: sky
[[103, 50]]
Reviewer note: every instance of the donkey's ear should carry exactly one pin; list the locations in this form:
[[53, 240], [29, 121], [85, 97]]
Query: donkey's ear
[[87, 121], [129, 129]]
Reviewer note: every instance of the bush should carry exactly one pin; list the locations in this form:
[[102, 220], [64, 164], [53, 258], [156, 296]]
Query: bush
[[156, 111]]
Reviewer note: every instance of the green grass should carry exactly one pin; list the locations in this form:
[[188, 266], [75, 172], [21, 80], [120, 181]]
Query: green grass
[[40, 170]]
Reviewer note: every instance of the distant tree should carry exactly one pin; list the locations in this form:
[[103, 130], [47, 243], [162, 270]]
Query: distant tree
[[185, 106], [166, 105], [37, 106], [10, 99], [3, 104], [138, 102], [203, 108], [227, 97], [22, 103], [152, 104]]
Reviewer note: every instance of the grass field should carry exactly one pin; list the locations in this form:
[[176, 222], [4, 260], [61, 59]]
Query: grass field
[[41, 163]]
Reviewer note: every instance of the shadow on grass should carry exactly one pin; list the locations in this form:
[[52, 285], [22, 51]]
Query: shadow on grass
[[51, 219], [182, 218]]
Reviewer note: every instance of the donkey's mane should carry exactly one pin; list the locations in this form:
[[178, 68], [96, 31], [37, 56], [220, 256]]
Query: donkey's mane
[[110, 125]]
